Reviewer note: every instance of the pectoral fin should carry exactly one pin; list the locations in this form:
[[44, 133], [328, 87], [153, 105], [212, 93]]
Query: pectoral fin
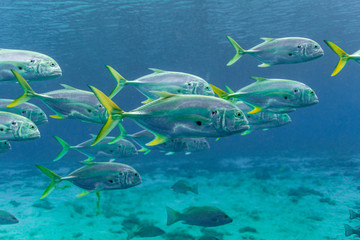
[[84, 193]]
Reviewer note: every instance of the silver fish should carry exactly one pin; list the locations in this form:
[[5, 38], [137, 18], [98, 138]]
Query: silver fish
[[206, 216], [121, 149], [273, 95], [28, 110], [96, 176], [14, 127], [5, 146], [70, 103], [187, 145], [33, 66], [177, 115], [280, 51], [262, 120], [7, 218], [163, 81]]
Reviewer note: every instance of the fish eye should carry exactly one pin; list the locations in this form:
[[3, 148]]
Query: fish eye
[[312, 92], [32, 127], [32, 60], [214, 112], [13, 123], [111, 181], [135, 174], [316, 46], [295, 90], [89, 110], [41, 114], [111, 151], [52, 64], [198, 123], [5, 143], [1, 129], [100, 106], [285, 97], [299, 46], [23, 111], [290, 54], [238, 114], [207, 87], [20, 68], [120, 173]]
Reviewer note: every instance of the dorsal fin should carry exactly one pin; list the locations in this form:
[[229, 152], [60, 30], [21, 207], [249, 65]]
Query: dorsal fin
[[260, 79], [155, 70], [268, 39], [229, 89], [65, 86]]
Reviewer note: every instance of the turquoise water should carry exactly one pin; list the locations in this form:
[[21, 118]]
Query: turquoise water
[[294, 182]]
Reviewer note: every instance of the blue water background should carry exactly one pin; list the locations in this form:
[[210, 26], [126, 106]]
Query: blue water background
[[189, 36]]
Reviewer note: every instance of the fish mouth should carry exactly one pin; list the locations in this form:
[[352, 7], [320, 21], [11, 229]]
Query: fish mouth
[[56, 73]]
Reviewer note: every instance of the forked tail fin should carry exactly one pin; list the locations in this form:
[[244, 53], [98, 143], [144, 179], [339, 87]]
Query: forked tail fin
[[65, 150], [239, 51], [344, 57], [121, 81], [55, 179], [28, 92], [116, 114]]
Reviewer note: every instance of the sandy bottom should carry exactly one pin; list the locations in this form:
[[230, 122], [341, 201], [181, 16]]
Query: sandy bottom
[[279, 198]]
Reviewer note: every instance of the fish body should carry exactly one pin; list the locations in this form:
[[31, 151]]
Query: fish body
[[275, 51], [96, 176], [7, 218], [121, 149], [350, 231], [206, 216], [173, 145], [273, 95], [182, 186], [164, 81], [145, 231], [177, 115], [33, 66], [28, 110], [14, 127], [5, 146], [70, 102], [263, 120], [344, 57]]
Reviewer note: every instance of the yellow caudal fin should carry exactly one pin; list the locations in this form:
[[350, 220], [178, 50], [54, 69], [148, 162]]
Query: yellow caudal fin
[[219, 92], [239, 51], [28, 92], [121, 81], [344, 57], [255, 110], [55, 179], [66, 147], [115, 114]]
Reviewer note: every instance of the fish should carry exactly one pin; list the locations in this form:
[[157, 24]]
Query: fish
[[7, 218], [67, 103], [5, 146], [206, 216], [353, 214], [344, 57], [187, 145], [34, 66], [14, 127], [182, 186], [273, 95], [28, 110], [262, 120], [163, 81], [275, 51], [121, 149], [177, 115], [95, 177], [350, 231], [145, 231]]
